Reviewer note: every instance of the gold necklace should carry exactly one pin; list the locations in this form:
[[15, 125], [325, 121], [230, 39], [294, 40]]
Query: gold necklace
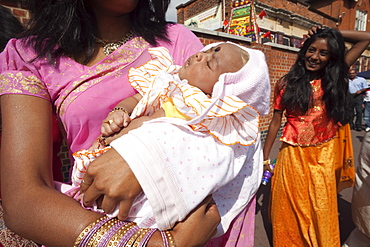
[[110, 47]]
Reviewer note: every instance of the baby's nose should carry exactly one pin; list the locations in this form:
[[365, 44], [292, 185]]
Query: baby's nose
[[199, 56]]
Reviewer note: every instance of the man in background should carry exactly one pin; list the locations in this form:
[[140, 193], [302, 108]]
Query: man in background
[[357, 86]]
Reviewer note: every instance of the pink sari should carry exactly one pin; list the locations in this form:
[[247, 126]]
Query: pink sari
[[241, 230]]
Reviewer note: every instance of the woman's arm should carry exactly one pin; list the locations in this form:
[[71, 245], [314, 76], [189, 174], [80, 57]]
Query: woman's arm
[[197, 228], [129, 103], [360, 41], [203, 221], [32, 207], [274, 127]]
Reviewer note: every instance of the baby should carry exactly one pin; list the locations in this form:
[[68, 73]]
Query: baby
[[185, 92], [220, 91]]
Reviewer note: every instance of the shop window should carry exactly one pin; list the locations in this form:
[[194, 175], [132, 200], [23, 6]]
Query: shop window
[[361, 18]]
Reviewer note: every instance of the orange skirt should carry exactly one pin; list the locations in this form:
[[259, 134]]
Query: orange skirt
[[345, 170], [304, 210]]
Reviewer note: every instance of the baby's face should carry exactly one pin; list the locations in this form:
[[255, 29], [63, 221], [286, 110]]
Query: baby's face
[[203, 69]]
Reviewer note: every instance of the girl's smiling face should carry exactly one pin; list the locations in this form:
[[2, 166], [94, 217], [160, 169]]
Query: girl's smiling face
[[317, 55], [203, 69]]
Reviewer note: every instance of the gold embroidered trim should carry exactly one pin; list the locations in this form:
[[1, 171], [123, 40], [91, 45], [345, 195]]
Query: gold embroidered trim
[[17, 83], [112, 65]]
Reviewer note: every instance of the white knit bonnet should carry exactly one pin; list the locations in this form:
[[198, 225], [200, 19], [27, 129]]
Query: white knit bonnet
[[251, 83]]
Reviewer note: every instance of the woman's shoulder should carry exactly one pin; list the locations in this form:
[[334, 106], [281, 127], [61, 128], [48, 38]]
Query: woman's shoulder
[[16, 43], [178, 29], [182, 43], [179, 32], [13, 42], [18, 49]]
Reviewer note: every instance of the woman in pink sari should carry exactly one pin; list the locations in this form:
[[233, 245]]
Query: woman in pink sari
[[74, 60]]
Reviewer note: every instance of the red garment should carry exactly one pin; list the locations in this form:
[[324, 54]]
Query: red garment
[[57, 143], [311, 128]]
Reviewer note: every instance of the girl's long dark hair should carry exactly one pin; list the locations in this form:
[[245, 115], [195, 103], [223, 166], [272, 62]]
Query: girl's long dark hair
[[298, 90], [67, 27]]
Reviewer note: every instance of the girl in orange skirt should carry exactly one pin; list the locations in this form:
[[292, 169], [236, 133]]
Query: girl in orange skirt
[[308, 169]]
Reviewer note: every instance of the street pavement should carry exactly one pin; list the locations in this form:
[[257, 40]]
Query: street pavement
[[263, 231]]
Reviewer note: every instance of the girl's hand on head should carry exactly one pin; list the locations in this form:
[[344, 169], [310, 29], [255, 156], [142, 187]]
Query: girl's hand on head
[[114, 122], [313, 30]]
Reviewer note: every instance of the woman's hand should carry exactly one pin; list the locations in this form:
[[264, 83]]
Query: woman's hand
[[309, 34], [199, 226], [110, 177], [313, 30], [267, 166]]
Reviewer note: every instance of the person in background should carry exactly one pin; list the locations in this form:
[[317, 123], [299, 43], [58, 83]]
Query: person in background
[[366, 106], [360, 236], [76, 62], [314, 95], [357, 86]]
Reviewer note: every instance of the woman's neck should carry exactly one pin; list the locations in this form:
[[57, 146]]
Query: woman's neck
[[314, 76], [113, 28]]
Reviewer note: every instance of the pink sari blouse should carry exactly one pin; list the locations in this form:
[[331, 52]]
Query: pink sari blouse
[[82, 95]]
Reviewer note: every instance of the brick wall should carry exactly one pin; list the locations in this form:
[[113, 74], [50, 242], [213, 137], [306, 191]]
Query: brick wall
[[293, 12], [293, 7], [21, 14], [192, 8], [64, 158]]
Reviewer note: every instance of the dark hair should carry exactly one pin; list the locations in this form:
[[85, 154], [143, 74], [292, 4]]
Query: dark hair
[[67, 27], [10, 27], [298, 91]]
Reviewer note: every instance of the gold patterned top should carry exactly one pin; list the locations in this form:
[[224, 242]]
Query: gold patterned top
[[312, 128]]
